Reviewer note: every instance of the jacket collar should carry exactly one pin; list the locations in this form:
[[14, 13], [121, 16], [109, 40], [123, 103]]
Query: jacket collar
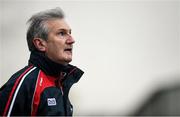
[[51, 68]]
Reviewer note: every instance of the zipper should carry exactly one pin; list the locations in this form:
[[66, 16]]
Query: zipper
[[61, 78]]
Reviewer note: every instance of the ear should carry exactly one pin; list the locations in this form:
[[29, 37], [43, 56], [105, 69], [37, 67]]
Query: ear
[[40, 44]]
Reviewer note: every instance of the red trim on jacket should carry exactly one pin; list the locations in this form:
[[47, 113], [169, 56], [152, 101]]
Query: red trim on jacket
[[13, 89], [43, 81], [72, 71]]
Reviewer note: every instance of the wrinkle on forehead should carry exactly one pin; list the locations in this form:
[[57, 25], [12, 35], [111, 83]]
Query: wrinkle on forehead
[[57, 24]]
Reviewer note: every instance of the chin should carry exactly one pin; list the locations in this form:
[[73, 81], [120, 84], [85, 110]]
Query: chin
[[64, 61], [67, 61]]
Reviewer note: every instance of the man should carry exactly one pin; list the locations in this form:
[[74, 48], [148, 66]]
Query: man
[[42, 87]]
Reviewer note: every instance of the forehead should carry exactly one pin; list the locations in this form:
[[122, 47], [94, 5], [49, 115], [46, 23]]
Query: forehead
[[57, 24]]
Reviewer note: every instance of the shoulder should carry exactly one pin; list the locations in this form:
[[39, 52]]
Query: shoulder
[[36, 79], [20, 76]]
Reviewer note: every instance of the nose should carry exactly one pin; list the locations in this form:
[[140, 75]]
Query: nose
[[70, 40]]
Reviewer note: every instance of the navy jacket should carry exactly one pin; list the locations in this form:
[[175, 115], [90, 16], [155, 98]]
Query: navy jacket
[[41, 88]]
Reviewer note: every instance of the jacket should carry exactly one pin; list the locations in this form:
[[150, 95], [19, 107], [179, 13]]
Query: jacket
[[41, 88]]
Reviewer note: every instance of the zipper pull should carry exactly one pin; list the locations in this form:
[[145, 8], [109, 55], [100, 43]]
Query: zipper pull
[[62, 75], [62, 90]]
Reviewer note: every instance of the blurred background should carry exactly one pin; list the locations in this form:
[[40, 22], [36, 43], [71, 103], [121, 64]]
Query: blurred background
[[128, 49]]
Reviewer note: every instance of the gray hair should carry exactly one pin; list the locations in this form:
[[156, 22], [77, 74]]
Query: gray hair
[[38, 27]]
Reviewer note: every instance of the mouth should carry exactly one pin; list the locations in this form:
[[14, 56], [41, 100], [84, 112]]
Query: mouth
[[68, 50]]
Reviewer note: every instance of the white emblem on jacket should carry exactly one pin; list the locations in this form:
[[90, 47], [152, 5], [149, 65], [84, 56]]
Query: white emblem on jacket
[[51, 101]]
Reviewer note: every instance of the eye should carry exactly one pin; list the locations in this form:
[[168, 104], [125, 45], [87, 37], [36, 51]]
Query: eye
[[62, 33]]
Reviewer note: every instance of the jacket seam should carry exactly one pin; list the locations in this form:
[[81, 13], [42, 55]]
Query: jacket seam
[[15, 89], [32, 106]]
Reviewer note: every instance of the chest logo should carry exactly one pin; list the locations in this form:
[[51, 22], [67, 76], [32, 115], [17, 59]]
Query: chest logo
[[51, 101]]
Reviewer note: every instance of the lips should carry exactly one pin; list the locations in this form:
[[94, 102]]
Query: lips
[[68, 49]]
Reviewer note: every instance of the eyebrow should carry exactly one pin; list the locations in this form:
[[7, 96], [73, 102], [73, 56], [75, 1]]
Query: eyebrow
[[66, 30]]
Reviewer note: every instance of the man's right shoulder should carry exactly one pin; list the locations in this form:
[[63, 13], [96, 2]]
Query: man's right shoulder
[[28, 72], [20, 84]]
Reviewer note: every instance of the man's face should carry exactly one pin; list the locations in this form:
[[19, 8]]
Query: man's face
[[59, 44]]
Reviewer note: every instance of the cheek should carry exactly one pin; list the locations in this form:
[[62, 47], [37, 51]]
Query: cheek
[[53, 49], [57, 50]]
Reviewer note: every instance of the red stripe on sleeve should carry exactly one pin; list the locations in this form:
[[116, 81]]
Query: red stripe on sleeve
[[13, 89]]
